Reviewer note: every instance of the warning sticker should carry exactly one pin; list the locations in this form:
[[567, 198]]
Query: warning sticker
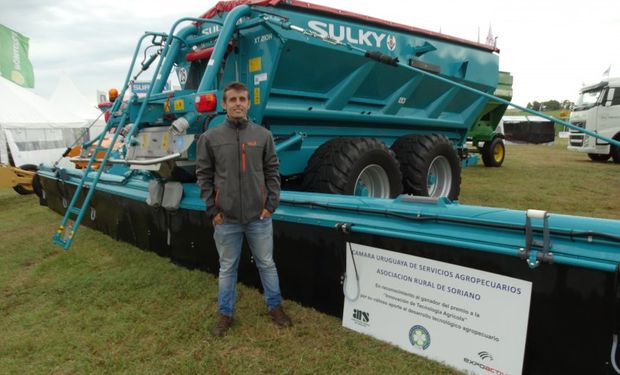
[[164, 142], [257, 95], [260, 78], [179, 105], [144, 143], [255, 64]]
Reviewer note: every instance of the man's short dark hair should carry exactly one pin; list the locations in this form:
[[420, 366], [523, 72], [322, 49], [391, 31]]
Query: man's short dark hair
[[238, 86]]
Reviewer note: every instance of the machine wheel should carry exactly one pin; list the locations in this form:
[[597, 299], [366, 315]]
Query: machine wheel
[[599, 157], [429, 165], [353, 166], [493, 153], [21, 189], [614, 151]]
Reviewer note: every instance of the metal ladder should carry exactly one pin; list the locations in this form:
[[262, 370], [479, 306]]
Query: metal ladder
[[65, 234], [66, 231]]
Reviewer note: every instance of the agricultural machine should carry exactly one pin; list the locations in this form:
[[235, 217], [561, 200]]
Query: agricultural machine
[[362, 110], [489, 142]]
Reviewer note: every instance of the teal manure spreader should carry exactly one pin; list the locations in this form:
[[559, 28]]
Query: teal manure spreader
[[370, 120]]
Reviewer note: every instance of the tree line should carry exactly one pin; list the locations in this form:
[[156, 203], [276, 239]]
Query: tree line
[[550, 105]]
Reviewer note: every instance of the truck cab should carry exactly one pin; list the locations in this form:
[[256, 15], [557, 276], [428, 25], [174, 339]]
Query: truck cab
[[597, 109]]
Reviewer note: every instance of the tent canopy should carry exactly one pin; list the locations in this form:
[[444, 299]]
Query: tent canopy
[[21, 108], [67, 97], [32, 130]]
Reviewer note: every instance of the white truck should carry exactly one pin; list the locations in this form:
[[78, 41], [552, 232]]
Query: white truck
[[597, 109]]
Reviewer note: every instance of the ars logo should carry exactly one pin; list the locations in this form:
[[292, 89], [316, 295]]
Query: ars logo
[[360, 315], [391, 42]]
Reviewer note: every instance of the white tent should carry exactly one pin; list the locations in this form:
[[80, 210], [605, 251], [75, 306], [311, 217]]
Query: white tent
[[33, 130], [67, 97]]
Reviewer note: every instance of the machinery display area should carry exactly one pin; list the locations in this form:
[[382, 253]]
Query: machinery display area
[[370, 120]]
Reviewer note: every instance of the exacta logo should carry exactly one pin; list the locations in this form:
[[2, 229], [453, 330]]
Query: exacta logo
[[485, 357], [352, 35]]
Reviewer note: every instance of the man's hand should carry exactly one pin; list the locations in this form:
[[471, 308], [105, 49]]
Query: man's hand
[[265, 214], [218, 219]]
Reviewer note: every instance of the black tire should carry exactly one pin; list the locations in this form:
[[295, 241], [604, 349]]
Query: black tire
[[22, 190], [493, 153], [338, 165], [419, 155], [601, 158], [614, 151]]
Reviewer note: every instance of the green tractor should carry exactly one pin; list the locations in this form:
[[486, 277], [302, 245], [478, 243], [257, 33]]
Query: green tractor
[[484, 135]]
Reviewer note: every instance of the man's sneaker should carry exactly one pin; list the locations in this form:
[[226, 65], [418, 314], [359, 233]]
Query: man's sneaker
[[222, 326], [279, 317]]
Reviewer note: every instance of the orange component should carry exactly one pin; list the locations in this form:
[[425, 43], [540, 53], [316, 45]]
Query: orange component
[[112, 94], [243, 157], [77, 150]]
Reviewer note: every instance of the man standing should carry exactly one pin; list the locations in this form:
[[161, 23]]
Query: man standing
[[237, 171]]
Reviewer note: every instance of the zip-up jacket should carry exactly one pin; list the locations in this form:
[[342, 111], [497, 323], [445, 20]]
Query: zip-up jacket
[[237, 171]]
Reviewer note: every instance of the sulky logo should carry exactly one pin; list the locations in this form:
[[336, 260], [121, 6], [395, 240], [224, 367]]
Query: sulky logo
[[211, 30], [361, 316], [352, 35], [391, 42], [182, 75], [419, 337]]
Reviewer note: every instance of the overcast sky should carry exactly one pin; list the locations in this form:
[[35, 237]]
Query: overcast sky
[[550, 47]]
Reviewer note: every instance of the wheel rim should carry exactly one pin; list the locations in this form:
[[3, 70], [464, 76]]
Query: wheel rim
[[498, 152], [439, 177], [372, 181]]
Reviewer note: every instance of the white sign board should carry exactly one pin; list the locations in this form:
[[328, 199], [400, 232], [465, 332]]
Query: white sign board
[[472, 320]]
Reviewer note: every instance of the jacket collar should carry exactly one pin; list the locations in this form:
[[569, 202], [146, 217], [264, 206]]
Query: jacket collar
[[236, 124]]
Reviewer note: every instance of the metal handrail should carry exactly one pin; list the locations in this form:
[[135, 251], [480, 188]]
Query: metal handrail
[[133, 161]]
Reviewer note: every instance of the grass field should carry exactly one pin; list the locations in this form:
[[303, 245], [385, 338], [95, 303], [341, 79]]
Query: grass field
[[547, 178], [107, 307]]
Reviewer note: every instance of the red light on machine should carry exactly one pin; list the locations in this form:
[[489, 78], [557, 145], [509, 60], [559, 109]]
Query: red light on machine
[[206, 102]]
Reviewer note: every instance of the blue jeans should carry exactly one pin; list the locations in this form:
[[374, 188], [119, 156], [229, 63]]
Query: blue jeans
[[229, 240]]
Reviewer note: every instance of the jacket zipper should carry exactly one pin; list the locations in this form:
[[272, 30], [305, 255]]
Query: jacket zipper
[[240, 176]]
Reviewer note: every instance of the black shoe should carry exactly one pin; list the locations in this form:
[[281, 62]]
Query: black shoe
[[279, 317], [222, 326]]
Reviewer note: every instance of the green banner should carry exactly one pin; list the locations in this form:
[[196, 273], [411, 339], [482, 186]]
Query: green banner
[[14, 62]]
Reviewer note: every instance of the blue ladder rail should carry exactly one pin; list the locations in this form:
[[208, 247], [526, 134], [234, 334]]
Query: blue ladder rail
[[66, 232]]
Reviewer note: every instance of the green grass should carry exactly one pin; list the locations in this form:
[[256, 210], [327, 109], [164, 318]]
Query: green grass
[[107, 307], [546, 178]]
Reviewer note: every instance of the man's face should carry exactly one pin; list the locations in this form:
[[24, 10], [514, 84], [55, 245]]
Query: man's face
[[236, 103]]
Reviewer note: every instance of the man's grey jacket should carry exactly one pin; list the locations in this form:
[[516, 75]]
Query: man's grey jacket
[[237, 171]]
